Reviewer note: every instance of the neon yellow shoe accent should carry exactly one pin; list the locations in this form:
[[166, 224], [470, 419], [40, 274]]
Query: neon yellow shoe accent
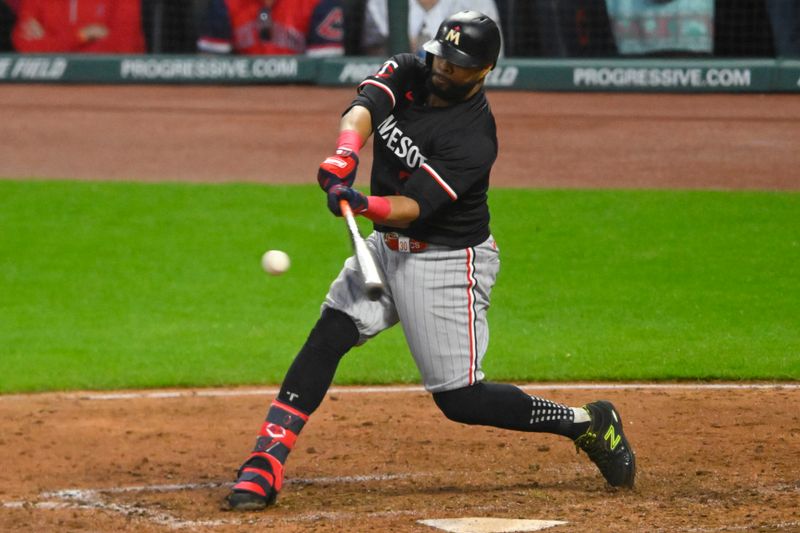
[[612, 438]]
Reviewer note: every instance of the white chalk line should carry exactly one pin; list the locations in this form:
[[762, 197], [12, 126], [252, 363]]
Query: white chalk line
[[92, 499], [272, 391], [127, 511], [213, 393], [95, 499]]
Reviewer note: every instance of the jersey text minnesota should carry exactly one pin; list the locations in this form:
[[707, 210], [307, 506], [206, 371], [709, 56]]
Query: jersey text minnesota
[[400, 144]]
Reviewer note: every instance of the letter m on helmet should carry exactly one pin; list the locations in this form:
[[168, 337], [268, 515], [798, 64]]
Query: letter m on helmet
[[453, 36]]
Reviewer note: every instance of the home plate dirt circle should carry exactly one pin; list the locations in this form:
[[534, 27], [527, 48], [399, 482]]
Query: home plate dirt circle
[[490, 525]]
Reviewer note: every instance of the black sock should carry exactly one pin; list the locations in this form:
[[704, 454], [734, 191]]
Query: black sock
[[312, 371], [508, 407]]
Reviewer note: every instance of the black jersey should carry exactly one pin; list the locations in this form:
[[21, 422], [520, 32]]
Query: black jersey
[[439, 156]]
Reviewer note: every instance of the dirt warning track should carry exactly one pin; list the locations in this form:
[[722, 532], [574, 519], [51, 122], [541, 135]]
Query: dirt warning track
[[278, 134]]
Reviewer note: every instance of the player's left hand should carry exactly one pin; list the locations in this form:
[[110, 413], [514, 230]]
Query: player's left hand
[[338, 169], [357, 200]]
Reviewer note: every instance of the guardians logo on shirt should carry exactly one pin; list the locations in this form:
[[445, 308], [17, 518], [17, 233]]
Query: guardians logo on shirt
[[400, 144]]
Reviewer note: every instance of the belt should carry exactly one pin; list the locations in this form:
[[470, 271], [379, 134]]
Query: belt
[[401, 243]]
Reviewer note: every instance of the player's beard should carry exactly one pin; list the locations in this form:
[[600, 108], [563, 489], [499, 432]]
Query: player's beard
[[451, 92]]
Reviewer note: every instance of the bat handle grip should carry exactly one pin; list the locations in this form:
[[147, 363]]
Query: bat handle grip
[[347, 212]]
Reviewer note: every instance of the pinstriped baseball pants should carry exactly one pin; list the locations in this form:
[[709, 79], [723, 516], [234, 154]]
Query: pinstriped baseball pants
[[440, 297]]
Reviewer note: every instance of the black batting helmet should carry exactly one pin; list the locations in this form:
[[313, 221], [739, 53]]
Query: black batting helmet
[[467, 39]]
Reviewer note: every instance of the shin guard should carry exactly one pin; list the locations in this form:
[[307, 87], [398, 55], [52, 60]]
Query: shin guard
[[262, 473]]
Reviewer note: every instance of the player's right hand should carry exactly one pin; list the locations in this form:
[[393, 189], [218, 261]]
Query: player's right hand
[[338, 169]]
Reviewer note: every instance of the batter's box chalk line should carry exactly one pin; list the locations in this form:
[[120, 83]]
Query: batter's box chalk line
[[98, 499], [489, 525]]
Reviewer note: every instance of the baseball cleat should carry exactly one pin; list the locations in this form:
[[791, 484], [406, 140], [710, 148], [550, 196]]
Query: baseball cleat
[[239, 500], [605, 444], [256, 486]]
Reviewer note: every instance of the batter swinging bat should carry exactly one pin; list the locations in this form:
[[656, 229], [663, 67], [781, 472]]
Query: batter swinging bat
[[366, 263]]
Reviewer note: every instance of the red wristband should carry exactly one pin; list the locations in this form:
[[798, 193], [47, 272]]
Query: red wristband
[[378, 208], [349, 140]]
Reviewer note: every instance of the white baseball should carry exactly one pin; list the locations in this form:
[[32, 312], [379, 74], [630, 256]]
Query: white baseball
[[275, 262]]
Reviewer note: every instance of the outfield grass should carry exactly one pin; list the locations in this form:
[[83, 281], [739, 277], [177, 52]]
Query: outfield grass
[[109, 285]]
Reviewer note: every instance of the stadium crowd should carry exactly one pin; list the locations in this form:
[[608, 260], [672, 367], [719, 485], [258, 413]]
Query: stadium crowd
[[530, 28]]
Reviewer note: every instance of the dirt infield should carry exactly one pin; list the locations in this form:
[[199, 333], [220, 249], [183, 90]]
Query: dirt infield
[[710, 459]]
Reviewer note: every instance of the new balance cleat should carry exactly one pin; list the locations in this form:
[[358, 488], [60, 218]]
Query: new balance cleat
[[605, 444]]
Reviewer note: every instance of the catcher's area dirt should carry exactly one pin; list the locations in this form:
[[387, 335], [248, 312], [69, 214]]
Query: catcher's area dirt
[[709, 459]]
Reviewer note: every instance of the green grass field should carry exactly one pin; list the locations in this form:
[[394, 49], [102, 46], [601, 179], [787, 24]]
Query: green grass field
[[110, 285]]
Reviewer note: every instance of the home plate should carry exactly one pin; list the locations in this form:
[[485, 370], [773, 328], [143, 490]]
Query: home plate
[[489, 525]]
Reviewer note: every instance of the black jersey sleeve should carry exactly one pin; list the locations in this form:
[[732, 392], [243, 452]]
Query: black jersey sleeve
[[458, 165], [381, 92]]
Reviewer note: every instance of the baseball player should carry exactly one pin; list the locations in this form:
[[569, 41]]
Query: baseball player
[[434, 146], [311, 27]]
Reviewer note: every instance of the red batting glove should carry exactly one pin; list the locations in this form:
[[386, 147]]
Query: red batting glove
[[338, 169]]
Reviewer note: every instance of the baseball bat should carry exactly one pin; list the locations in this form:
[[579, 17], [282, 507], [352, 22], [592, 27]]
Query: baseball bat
[[366, 263]]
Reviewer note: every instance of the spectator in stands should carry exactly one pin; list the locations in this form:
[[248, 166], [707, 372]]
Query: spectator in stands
[[93, 26], [424, 17], [312, 27], [8, 14], [784, 15], [659, 27], [566, 28]]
